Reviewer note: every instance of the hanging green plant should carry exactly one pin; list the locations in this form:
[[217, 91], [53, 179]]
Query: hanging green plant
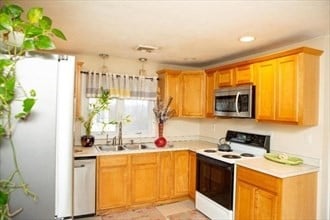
[[18, 36]]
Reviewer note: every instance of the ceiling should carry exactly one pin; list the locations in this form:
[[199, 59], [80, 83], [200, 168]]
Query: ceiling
[[193, 33]]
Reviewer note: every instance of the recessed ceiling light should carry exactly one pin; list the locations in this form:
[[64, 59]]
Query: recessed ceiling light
[[247, 39]]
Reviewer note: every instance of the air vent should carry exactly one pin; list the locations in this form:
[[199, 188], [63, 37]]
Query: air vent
[[146, 48]]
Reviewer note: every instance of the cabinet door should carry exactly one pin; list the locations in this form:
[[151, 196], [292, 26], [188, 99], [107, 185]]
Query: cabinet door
[[211, 84], [193, 94], [226, 77], [265, 90], [169, 85], [192, 174], [144, 178], [244, 208], [165, 175], [112, 182], [265, 205], [287, 89], [181, 173], [244, 75]]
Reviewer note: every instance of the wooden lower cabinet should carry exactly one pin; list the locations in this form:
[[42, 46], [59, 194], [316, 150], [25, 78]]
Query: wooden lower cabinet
[[165, 175], [144, 178], [112, 182], [192, 174], [181, 172], [140, 179], [264, 197]]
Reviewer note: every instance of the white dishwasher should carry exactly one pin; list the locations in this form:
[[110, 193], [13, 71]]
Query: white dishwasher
[[84, 186]]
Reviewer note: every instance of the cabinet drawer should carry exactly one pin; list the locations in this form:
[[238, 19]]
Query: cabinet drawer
[[144, 158], [107, 161], [258, 179]]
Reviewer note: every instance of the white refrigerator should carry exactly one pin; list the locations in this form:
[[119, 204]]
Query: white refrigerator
[[44, 143]]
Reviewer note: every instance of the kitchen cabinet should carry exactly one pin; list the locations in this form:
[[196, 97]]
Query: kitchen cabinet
[[235, 76], [187, 89], [193, 94], [262, 196], [112, 182], [144, 178], [226, 77], [165, 175], [169, 86], [77, 90], [130, 180], [244, 74], [287, 89], [192, 174], [211, 85], [181, 173]]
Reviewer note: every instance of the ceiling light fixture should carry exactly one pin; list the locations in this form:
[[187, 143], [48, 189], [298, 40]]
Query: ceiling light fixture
[[142, 71], [103, 57], [247, 39]]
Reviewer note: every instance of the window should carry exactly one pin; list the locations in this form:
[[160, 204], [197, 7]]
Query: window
[[140, 112]]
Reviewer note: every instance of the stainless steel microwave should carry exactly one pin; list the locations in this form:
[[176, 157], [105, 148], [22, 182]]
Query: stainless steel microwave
[[235, 101]]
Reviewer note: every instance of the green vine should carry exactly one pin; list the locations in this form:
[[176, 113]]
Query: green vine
[[18, 36]]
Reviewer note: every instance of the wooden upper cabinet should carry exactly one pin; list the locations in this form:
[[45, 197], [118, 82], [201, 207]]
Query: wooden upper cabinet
[[244, 74], [77, 90], [193, 94], [169, 85], [234, 76], [287, 89], [265, 92], [211, 85], [226, 77]]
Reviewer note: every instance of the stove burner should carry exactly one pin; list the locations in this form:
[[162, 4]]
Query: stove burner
[[210, 151], [229, 150], [247, 155], [231, 156]]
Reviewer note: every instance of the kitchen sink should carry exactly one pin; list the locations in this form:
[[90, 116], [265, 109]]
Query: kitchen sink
[[137, 146], [123, 147], [110, 148]]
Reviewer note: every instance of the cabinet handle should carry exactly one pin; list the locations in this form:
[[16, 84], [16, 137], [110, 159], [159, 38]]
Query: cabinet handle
[[79, 166]]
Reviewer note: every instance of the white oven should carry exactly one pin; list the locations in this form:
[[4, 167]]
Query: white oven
[[215, 182]]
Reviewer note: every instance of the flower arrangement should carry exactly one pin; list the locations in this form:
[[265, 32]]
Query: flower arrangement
[[162, 112]]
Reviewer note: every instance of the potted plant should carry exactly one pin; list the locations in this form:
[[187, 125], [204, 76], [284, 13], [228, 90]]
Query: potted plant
[[18, 36], [101, 104]]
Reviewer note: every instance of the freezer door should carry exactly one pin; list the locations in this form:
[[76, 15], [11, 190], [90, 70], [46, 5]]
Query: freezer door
[[44, 141]]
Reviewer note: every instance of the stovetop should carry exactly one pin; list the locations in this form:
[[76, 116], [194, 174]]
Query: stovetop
[[244, 146]]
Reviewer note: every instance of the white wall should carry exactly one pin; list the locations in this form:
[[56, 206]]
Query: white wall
[[309, 142]]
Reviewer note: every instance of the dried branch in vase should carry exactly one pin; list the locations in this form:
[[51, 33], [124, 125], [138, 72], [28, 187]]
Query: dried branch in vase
[[163, 113]]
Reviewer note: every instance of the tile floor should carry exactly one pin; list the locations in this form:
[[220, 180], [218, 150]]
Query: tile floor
[[166, 210]]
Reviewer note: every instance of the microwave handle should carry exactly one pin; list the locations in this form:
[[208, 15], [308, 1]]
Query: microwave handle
[[236, 102]]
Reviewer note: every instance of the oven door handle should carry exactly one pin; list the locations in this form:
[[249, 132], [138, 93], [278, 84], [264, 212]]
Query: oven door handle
[[236, 102]]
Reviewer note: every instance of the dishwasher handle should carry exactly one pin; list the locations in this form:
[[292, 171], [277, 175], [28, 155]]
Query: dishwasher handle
[[79, 166]]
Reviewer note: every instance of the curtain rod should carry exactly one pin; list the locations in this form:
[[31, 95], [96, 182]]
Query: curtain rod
[[86, 72]]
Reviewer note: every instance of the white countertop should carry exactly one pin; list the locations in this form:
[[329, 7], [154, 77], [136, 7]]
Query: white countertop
[[259, 164], [177, 145], [277, 169]]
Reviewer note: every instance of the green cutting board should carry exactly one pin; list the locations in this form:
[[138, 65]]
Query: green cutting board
[[290, 160]]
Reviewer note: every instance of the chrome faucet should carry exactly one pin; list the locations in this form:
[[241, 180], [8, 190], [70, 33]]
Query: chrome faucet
[[120, 134]]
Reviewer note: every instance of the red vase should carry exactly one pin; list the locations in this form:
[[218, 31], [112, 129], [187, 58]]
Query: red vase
[[160, 141]]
